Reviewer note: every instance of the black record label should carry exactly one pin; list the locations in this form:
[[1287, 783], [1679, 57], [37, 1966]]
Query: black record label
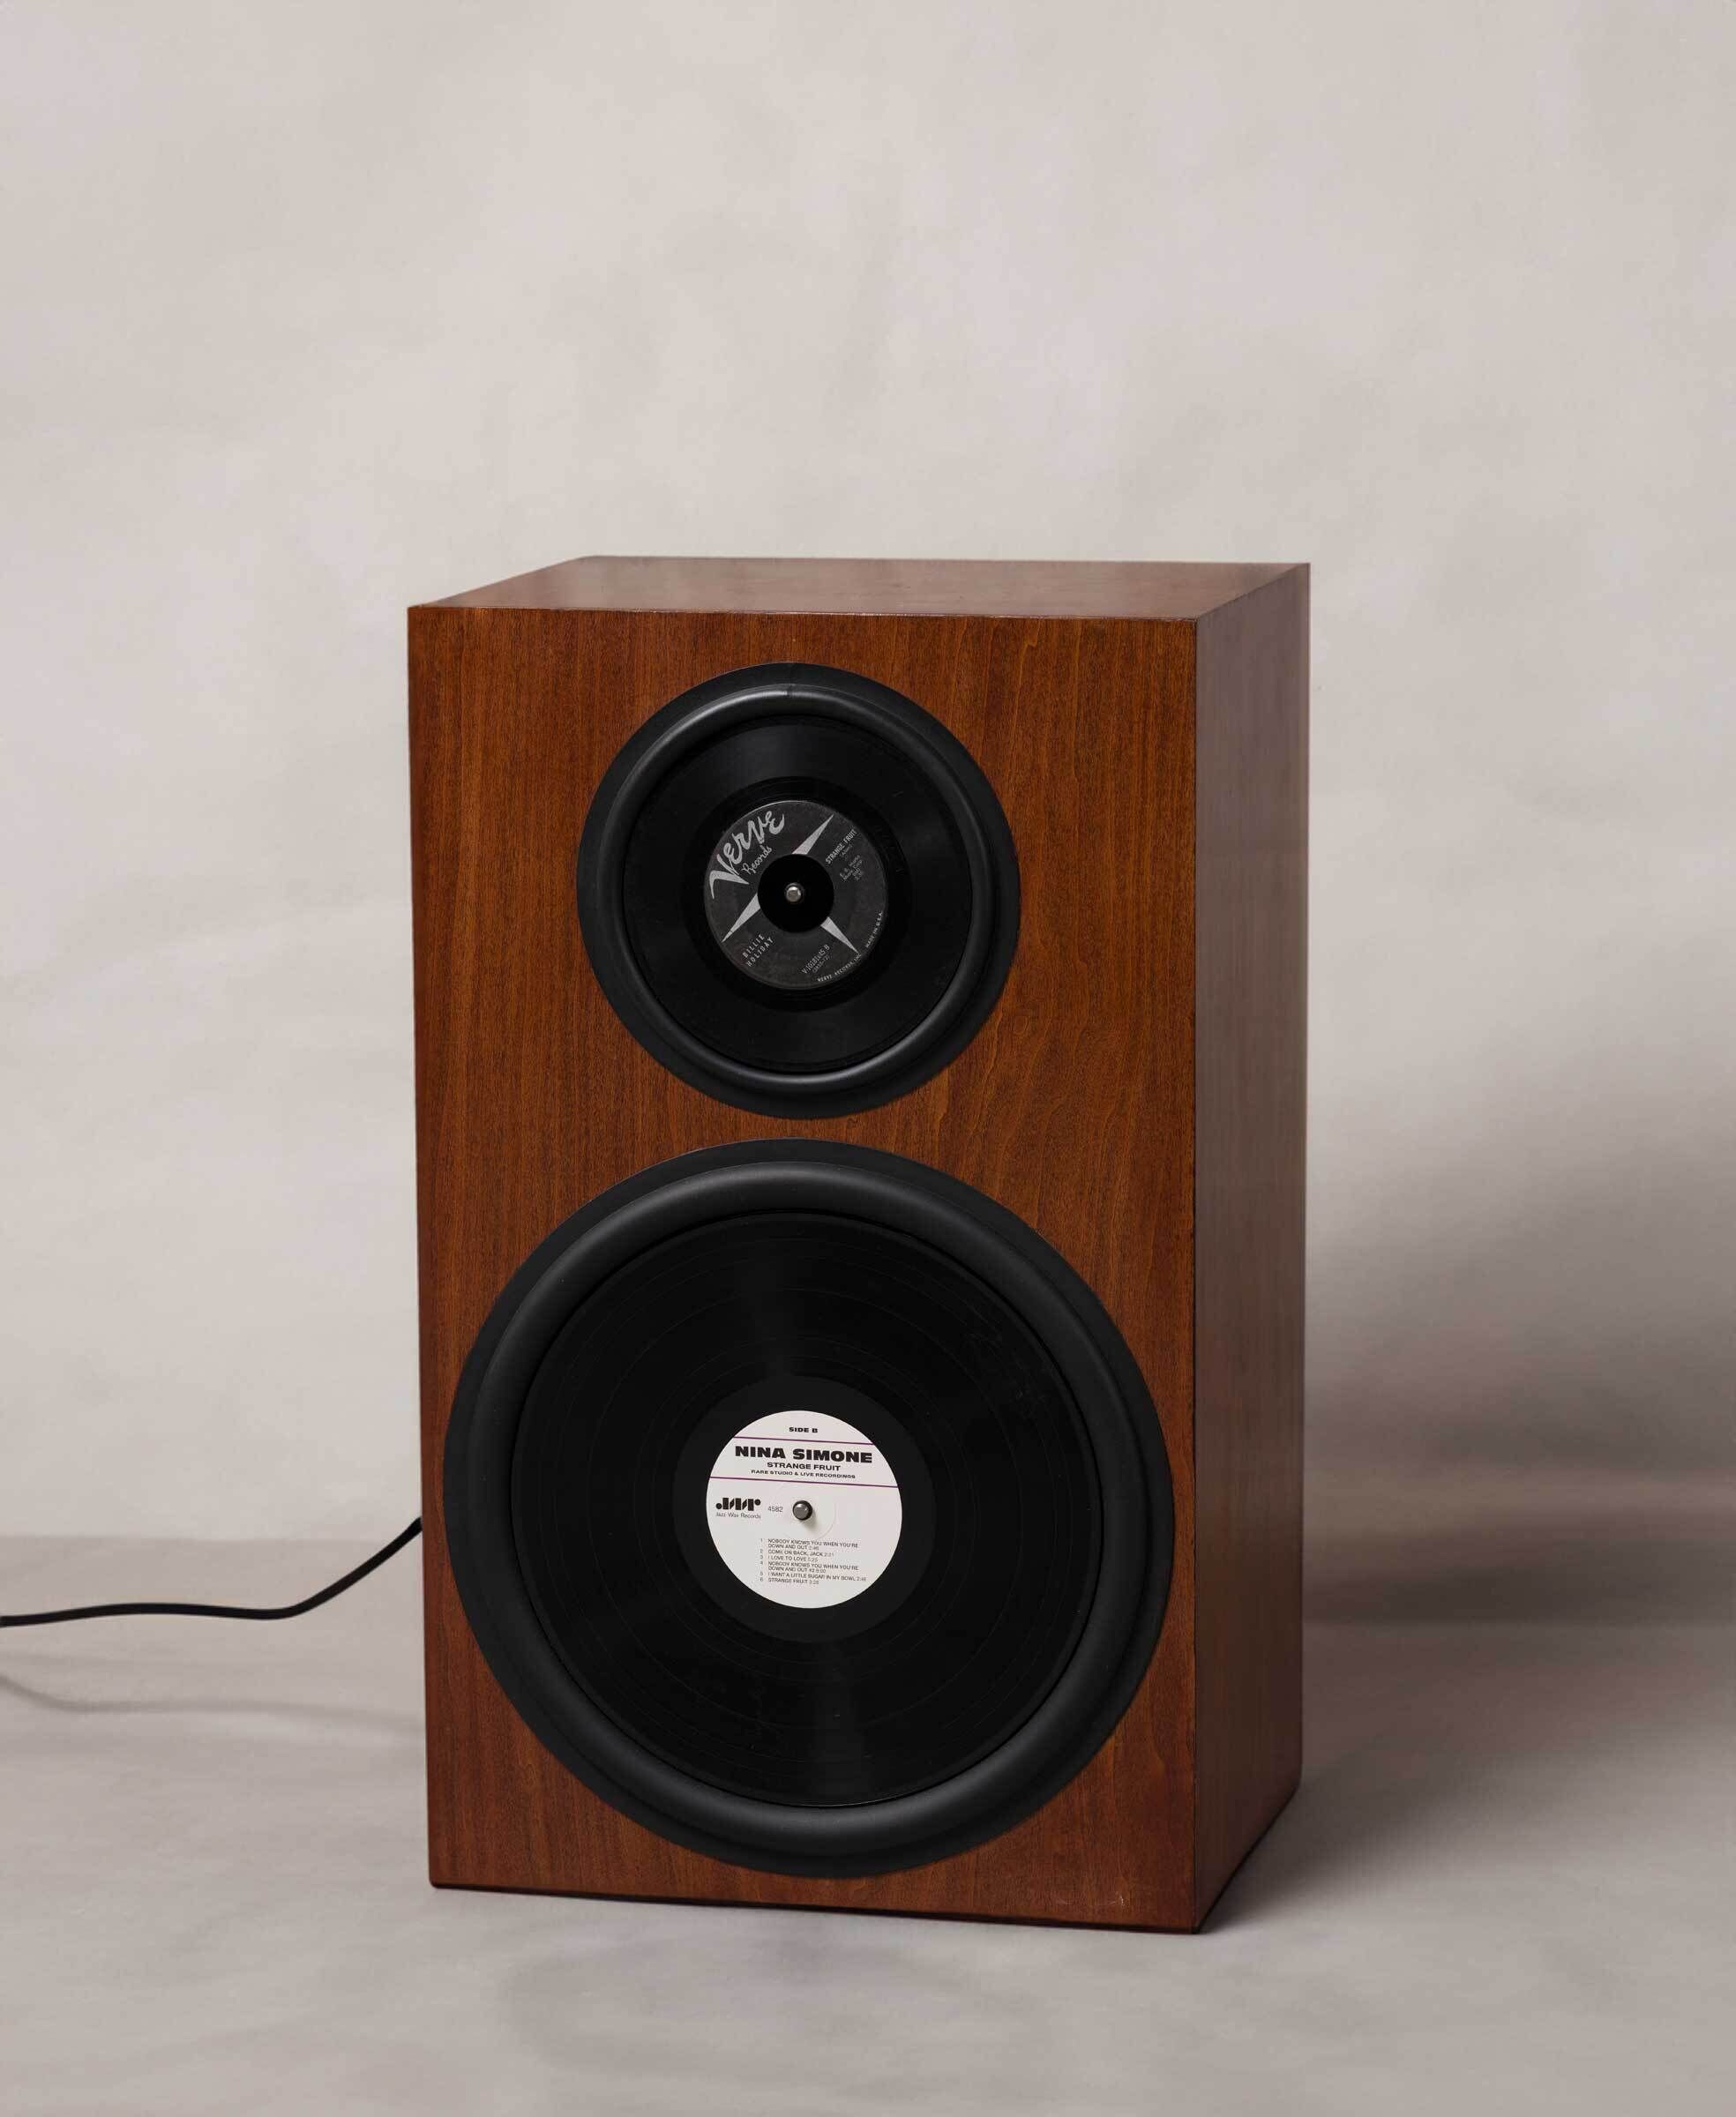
[[795, 893]]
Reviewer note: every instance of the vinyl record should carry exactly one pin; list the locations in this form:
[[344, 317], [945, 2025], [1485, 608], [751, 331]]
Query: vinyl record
[[809, 1508], [797, 890]]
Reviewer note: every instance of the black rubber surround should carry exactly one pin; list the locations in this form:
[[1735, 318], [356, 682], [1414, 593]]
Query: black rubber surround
[[1123, 1508], [796, 730]]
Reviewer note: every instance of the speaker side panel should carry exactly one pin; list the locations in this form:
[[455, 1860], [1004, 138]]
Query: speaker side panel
[[1073, 1107], [1251, 1121]]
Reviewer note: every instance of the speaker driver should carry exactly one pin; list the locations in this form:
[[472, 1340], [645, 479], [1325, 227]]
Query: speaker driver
[[798, 891], [809, 1508]]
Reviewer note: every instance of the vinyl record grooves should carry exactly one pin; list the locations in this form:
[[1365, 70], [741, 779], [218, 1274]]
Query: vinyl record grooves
[[808, 1508], [782, 1703], [798, 891]]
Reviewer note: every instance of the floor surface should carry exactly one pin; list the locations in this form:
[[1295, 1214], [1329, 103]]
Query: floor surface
[[1504, 1887]]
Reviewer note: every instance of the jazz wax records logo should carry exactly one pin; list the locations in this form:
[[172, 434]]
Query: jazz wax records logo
[[728, 1504], [749, 838]]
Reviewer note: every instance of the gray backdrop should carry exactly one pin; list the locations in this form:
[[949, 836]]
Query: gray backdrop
[[314, 312]]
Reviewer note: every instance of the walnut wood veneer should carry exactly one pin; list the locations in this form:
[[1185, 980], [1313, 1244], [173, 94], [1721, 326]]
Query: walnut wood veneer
[[1137, 1097]]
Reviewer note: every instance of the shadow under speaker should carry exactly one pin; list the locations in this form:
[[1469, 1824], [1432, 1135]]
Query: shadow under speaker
[[860, 1028]]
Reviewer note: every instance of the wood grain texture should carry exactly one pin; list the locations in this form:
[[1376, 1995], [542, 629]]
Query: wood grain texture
[[885, 588], [1073, 1107], [1251, 835]]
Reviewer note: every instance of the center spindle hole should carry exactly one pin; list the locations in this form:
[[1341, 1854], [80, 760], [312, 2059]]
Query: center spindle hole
[[795, 892]]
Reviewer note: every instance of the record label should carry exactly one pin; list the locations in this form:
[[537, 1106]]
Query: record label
[[804, 1509], [795, 894]]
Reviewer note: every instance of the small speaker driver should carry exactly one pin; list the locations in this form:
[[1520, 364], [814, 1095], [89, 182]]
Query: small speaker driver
[[798, 891]]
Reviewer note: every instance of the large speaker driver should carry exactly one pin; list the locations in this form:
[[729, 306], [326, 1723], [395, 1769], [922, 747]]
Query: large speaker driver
[[809, 1508], [798, 890]]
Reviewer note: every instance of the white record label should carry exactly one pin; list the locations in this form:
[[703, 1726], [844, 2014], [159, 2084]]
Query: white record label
[[804, 1509]]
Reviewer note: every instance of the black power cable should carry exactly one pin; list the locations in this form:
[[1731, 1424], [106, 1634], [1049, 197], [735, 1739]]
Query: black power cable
[[312, 1602]]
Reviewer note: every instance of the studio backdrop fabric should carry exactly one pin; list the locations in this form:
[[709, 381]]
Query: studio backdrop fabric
[[314, 312]]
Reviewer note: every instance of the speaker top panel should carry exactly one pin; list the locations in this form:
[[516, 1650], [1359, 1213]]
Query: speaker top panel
[[798, 890], [1143, 590]]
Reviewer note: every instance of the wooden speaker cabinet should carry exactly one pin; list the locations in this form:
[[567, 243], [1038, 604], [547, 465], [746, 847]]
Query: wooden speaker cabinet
[[860, 1030]]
